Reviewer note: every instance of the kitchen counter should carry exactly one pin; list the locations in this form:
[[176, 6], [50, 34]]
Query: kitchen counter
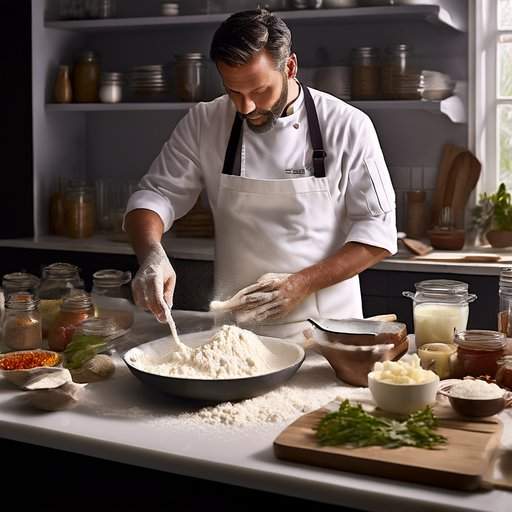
[[123, 421]]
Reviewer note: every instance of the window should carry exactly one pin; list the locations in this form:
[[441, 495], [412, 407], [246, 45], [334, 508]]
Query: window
[[493, 91]]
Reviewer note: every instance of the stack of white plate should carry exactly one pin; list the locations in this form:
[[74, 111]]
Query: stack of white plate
[[437, 86], [335, 80], [148, 81]]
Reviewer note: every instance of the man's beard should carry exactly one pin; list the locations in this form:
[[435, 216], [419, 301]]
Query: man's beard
[[271, 116]]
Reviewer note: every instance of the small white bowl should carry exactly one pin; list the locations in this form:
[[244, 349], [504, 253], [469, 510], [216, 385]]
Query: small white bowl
[[402, 398]]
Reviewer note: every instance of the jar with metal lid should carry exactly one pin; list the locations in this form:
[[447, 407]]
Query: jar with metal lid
[[504, 372], [365, 73], [111, 87], [505, 301], [112, 296], [73, 311], [86, 78], [20, 282], [190, 70], [478, 353], [440, 308], [59, 280], [80, 210], [22, 322], [400, 77]]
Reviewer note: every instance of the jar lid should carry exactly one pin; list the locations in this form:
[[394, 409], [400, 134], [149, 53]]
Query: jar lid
[[22, 301], [77, 302], [480, 340], [60, 270], [111, 277], [506, 277], [98, 327], [399, 48], [442, 286], [20, 280], [109, 76], [190, 56]]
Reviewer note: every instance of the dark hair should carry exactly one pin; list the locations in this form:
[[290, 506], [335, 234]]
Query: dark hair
[[246, 33]]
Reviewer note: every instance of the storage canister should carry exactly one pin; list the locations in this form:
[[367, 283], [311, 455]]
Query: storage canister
[[20, 282], [365, 73], [440, 308], [22, 323], [86, 78], [111, 87], [190, 69], [400, 77], [80, 211]]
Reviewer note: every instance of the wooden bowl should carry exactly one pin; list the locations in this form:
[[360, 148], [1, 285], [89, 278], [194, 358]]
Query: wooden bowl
[[447, 239]]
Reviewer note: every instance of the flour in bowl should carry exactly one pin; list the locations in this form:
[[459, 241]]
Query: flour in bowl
[[230, 353]]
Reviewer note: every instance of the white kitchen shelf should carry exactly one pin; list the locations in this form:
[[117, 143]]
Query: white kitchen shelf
[[430, 13], [452, 107]]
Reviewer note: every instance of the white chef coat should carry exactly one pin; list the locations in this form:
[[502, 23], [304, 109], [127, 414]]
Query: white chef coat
[[359, 182]]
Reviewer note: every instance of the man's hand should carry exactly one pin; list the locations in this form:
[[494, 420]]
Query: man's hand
[[153, 285], [276, 296]]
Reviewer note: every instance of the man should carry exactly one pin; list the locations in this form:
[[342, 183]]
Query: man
[[300, 193]]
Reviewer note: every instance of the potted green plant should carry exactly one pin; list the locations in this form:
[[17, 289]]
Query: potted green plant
[[493, 217]]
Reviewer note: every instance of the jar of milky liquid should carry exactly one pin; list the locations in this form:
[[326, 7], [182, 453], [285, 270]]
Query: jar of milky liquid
[[440, 309]]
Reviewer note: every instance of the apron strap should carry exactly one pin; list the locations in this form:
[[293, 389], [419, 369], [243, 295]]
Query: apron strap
[[315, 135]]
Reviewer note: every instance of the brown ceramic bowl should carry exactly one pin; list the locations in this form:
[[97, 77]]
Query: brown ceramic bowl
[[447, 239]]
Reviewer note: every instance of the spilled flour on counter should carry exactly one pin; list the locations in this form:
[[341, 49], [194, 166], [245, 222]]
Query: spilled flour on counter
[[230, 353]]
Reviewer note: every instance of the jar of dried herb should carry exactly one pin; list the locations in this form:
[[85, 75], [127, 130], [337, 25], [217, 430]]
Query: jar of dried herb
[[79, 211], [22, 323]]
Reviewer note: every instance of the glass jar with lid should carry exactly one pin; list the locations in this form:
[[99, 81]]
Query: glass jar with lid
[[86, 78], [59, 280], [440, 308], [22, 322], [505, 301], [504, 372], [112, 296], [73, 311], [111, 87], [80, 210], [478, 353], [20, 282], [190, 70], [400, 77], [365, 73]]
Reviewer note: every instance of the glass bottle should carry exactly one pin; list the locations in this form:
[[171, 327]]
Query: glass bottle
[[190, 69], [62, 92], [80, 211], [505, 301], [20, 282], [22, 322], [59, 281], [365, 73], [57, 218], [440, 308], [478, 353], [400, 78], [112, 297], [86, 78], [73, 311]]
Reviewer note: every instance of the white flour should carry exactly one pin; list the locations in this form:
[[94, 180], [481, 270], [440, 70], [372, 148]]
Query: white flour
[[231, 353]]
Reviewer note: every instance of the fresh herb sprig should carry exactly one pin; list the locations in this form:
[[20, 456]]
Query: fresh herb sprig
[[353, 426], [82, 348]]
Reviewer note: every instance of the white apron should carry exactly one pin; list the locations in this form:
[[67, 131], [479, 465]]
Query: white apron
[[280, 226]]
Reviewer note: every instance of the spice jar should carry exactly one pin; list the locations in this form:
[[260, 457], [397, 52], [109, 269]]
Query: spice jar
[[57, 223], [73, 311], [22, 323], [86, 78], [190, 69], [478, 353], [80, 211], [400, 79], [20, 282], [504, 372], [62, 90], [59, 280], [365, 73], [111, 296], [505, 299], [440, 308], [111, 88]]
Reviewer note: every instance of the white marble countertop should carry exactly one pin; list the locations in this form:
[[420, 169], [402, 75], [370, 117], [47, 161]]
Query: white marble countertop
[[123, 421]]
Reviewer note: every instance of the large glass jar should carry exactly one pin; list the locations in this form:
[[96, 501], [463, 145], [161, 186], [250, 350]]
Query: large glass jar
[[365, 73], [505, 296], [112, 296], [20, 282], [400, 78], [80, 211], [73, 311], [478, 353], [86, 78], [22, 322], [190, 69], [440, 308], [59, 280]]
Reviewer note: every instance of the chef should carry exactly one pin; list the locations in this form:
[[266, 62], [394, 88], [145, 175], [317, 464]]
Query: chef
[[300, 193]]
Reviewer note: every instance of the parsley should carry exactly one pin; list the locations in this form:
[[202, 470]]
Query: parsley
[[353, 426]]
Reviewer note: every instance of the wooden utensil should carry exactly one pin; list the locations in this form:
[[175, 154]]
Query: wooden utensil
[[457, 257], [416, 247]]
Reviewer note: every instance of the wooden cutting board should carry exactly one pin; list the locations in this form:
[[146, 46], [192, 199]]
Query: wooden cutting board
[[461, 464], [461, 257]]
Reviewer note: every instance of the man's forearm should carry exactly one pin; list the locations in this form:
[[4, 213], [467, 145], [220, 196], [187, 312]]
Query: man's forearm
[[145, 228], [349, 261]]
